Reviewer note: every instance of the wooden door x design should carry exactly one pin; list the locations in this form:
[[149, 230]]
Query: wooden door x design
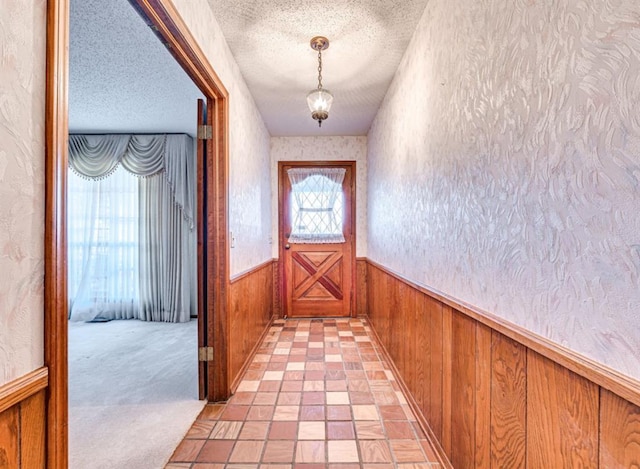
[[317, 278]]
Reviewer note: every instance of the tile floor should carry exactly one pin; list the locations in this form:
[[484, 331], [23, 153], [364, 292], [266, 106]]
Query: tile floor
[[317, 395]]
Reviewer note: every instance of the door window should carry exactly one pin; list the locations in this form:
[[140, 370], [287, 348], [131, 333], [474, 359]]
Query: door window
[[317, 202]]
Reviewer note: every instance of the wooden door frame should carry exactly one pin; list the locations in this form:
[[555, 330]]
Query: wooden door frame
[[172, 30], [351, 164]]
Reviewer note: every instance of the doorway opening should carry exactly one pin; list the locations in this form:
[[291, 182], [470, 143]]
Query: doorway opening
[[211, 211]]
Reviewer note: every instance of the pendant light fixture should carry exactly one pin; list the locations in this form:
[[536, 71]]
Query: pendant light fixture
[[319, 100]]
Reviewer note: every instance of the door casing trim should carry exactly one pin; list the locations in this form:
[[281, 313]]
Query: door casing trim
[[173, 31]]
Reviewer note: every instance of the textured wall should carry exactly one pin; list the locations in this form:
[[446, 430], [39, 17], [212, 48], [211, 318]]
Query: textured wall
[[504, 167], [22, 97], [249, 184], [330, 149]]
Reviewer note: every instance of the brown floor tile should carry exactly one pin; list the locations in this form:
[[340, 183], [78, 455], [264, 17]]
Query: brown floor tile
[[338, 412], [375, 451], [312, 412], [215, 451], [340, 431], [260, 412], [265, 398], [278, 451], [399, 430], [289, 398], [201, 429], [392, 412], [226, 430], [283, 431], [369, 430], [235, 412], [407, 451], [254, 431], [316, 396], [247, 451], [188, 450], [338, 385], [313, 398], [211, 412], [291, 386], [242, 398], [269, 386]]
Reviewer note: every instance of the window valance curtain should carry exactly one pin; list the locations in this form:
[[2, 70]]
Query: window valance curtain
[[316, 205], [132, 240], [98, 156]]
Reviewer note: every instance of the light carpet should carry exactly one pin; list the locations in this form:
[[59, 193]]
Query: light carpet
[[133, 392]]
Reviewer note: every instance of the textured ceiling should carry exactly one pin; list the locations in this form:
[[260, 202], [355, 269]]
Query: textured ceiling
[[121, 77], [270, 41]]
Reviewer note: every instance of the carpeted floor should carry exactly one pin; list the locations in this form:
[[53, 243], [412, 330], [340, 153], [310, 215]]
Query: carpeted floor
[[133, 392]]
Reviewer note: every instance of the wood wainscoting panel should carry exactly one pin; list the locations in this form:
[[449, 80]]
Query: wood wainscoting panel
[[508, 402], [22, 421], [10, 438], [619, 432], [463, 392], [32, 422], [250, 314], [483, 397], [361, 287], [488, 399], [562, 416]]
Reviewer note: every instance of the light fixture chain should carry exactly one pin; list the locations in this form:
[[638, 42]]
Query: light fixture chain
[[319, 69]]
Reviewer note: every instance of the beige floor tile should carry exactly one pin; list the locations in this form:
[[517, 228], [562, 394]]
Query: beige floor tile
[[342, 451], [311, 431], [365, 412], [337, 398], [310, 452], [286, 412]]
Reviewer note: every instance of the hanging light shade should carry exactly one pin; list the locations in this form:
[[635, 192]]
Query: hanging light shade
[[319, 99]]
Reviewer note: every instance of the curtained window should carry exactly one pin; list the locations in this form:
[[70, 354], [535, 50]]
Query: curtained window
[[131, 230], [316, 205]]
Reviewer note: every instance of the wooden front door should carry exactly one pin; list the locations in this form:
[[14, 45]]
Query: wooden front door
[[318, 276]]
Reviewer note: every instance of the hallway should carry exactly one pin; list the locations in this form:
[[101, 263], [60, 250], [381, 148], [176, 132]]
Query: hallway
[[317, 394]]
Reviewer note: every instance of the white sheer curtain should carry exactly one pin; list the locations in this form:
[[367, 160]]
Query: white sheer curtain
[[103, 247], [131, 223], [316, 205]]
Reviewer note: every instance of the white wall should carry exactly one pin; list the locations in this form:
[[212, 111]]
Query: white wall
[[249, 183], [22, 99], [329, 149], [504, 167]]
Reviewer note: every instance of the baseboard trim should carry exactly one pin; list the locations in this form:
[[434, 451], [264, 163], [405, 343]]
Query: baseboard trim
[[254, 351], [422, 421], [612, 380], [23, 388]]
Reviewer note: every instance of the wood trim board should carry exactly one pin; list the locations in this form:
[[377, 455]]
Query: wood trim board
[[172, 30], [22, 388]]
